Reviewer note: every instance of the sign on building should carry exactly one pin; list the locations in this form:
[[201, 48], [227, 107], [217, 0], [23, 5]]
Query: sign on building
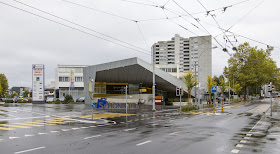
[[72, 78], [214, 89], [38, 83]]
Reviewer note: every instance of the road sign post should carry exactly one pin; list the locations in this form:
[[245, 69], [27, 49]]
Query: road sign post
[[93, 106], [179, 92], [214, 90]]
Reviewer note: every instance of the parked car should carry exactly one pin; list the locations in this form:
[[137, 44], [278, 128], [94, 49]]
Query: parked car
[[81, 99]]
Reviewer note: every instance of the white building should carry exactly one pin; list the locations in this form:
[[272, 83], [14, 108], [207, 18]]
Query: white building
[[62, 80], [179, 55]]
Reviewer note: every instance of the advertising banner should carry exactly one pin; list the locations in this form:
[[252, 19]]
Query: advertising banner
[[72, 78], [38, 82]]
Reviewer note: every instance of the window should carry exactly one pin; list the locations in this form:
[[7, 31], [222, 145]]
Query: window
[[63, 79], [78, 79]]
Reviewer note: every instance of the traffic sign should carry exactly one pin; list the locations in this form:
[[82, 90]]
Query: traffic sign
[[214, 89], [93, 105]]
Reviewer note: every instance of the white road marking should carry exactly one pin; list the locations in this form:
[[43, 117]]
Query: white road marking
[[25, 118], [243, 141], [13, 138], [173, 133], [30, 150], [249, 134], [75, 128], [239, 145], [92, 137], [84, 127], [100, 125], [122, 122], [147, 118], [54, 131], [143, 143], [234, 151], [28, 135], [90, 126], [129, 121], [65, 130], [129, 129], [246, 138], [136, 120], [42, 133]]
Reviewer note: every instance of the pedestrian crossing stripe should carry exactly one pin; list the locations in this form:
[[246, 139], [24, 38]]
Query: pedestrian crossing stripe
[[28, 124], [40, 123], [198, 113], [14, 126], [5, 128]]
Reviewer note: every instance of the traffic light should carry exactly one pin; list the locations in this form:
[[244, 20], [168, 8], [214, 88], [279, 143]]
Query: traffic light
[[179, 91]]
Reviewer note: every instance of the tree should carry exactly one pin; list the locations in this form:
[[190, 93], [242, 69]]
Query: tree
[[251, 67], [210, 82], [3, 85], [237, 89], [190, 81], [223, 86], [25, 93]]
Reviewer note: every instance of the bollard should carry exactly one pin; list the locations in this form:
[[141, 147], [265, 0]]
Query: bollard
[[222, 109], [213, 110]]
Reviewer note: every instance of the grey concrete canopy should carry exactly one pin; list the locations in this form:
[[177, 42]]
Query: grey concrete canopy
[[132, 70]]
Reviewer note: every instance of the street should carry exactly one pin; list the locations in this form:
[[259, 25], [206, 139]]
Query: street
[[50, 128]]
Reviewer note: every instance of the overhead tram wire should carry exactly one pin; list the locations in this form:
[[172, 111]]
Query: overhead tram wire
[[236, 34], [197, 20], [215, 21], [245, 15], [141, 3], [142, 35], [73, 28], [80, 25]]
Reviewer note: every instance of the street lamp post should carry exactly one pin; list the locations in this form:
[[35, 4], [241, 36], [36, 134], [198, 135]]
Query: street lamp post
[[154, 78]]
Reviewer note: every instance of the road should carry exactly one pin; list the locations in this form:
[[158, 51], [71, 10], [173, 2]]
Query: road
[[44, 129]]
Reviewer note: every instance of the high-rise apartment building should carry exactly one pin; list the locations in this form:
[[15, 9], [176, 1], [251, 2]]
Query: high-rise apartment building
[[179, 55]]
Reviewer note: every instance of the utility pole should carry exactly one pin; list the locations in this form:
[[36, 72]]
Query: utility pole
[[180, 93], [154, 82], [270, 98], [195, 79], [126, 99], [228, 91]]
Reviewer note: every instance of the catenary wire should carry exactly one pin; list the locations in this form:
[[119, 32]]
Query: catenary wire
[[90, 29], [73, 28]]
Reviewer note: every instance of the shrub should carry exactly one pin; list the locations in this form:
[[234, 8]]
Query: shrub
[[57, 101], [189, 107], [68, 99], [49, 102]]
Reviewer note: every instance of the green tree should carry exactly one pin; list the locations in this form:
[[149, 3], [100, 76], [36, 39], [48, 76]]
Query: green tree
[[3, 85], [251, 67], [190, 81], [25, 93], [210, 82], [223, 86], [237, 89]]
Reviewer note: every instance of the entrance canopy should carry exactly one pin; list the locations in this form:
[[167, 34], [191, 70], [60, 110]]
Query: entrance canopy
[[132, 71]]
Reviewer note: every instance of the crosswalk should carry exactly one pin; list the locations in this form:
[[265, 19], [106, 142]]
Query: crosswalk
[[201, 113], [36, 123]]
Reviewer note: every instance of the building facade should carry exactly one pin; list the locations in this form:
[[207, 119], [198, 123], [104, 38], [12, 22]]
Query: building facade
[[63, 81], [179, 55]]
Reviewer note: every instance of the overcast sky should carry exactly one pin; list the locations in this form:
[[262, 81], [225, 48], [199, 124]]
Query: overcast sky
[[27, 39]]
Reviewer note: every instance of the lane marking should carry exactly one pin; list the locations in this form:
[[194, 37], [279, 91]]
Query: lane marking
[[65, 130], [92, 137], [92, 126], [42, 133], [13, 138], [136, 120], [243, 141], [143, 143], [84, 127], [249, 135], [5, 128], [234, 151], [14, 126], [246, 138], [173, 133], [122, 122], [100, 125], [54, 131], [28, 135], [1, 140], [239, 145], [75, 128], [28, 124], [129, 129], [25, 118], [30, 150]]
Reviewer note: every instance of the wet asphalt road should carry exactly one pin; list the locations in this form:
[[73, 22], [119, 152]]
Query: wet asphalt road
[[65, 129]]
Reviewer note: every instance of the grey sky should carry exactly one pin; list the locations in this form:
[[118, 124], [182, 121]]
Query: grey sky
[[26, 39]]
